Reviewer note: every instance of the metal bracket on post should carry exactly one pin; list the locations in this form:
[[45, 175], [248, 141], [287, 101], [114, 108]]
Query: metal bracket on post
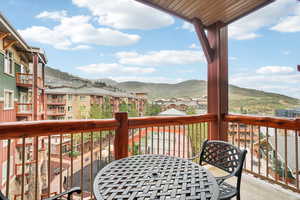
[[121, 138]]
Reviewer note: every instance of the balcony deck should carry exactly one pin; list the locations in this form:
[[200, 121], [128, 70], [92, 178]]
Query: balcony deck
[[253, 188], [108, 139]]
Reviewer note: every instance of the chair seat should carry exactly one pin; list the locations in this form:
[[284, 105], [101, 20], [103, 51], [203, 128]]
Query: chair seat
[[227, 191]]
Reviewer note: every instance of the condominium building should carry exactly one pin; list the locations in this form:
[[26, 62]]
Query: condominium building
[[21, 99], [76, 103]]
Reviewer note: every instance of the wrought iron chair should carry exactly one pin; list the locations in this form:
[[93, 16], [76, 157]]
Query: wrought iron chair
[[227, 158], [56, 197]]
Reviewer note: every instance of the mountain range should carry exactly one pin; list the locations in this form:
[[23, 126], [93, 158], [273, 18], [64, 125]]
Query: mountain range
[[241, 100]]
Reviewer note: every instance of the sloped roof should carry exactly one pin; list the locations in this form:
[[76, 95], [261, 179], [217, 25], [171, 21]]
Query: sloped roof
[[172, 112], [208, 11], [87, 91], [291, 150]]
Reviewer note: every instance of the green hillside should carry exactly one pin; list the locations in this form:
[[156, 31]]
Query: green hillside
[[241, 100]]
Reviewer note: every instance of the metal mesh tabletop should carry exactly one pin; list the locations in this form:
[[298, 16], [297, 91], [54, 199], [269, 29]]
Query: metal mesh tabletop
[[155, 177]]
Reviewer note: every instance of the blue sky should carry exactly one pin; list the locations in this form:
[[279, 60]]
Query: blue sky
[[125, 40]]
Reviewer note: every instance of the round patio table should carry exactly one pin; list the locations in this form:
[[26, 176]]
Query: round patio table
[[155, 177]]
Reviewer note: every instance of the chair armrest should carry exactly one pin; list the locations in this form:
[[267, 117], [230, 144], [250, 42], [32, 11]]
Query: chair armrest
[[221, 179], [68, 192]]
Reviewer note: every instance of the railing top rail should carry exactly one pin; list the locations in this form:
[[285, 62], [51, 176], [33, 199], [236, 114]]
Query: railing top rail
[[272, 122], [142, 122], [10, 130], [28, 74]]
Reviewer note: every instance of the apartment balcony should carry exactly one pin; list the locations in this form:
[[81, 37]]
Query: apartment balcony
[[24, 109], [24, 80], [58, 102], [271, 167], [56, 112]]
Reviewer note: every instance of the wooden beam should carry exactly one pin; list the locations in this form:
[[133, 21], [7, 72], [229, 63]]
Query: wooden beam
[[208, 51], [250, 11], [217, 81], [4, 35], [149, 3], [9, 44]]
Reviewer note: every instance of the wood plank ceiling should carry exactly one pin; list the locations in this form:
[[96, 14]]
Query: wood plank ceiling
[[208, 11]]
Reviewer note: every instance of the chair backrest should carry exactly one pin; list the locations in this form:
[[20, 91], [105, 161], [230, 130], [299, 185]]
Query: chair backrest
[[223, 156]]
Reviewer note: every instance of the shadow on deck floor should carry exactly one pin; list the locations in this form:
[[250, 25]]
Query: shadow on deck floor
[[256, 189]]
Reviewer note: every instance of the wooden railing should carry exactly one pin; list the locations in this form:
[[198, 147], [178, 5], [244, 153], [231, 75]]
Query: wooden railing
[[64, 151], [273, 146], [24, 79], [61, 153], [24, 108], [58, 101], [56, 111]]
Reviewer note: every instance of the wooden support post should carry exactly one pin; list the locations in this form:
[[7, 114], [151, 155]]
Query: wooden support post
[[9, 44], [217, 88], [35, 86], [121, 138]]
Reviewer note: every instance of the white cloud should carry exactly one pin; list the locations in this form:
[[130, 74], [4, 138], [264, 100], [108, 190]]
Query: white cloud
[[288, 24], [188, 26], [194, 46], [276, 79], [232, 58], [247, 27], [74, 33], [147, 79], [126, 14], [161, 58], [56, 15], [274, 70], [114, 68], [286, 52]]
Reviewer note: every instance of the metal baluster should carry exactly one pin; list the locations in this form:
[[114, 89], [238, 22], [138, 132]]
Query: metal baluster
[[276, 155], [60, 163], [285, 157], [81, 171], [179, 141], [183, 148], [259, 153], [297, 159], [169, 138], [92, 165], [188, 144], [267, 158], [140, 142], [152, 140], [238, 134], [158, 139], [109, 143], [49, 165], [23, 167], [164, 139], [36, 166], [174, 140], [72, 159], [8, 167], [251, 148], [146, 142]]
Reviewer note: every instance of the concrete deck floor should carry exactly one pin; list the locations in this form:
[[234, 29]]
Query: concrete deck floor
[[256, 189]]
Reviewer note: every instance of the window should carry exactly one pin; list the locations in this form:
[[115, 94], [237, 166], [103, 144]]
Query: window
[[82, 98], [9, 63], [8, 99], [69, 108], [70, 97]]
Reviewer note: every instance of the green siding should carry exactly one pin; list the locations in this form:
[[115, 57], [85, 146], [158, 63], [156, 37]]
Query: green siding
[[6, 81]]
